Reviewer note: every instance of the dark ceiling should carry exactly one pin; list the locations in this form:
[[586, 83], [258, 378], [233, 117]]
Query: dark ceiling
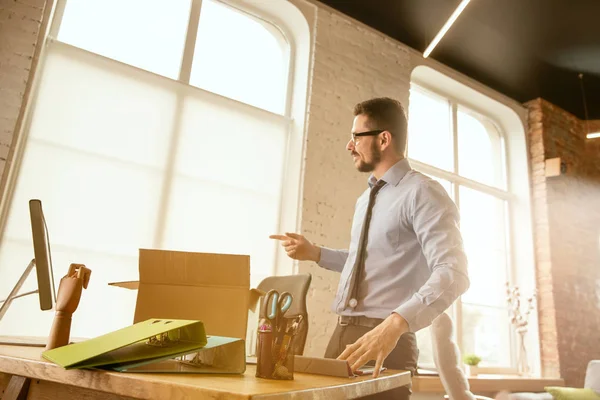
[[522, 48]]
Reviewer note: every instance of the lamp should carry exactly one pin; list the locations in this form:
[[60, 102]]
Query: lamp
[[445, 28]]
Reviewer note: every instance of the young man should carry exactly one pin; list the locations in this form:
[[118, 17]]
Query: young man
[[405, 264]]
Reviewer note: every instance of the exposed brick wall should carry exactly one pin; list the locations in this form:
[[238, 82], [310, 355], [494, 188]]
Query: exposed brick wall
[[567, 223], [351, 63], [546, 310], [19, 27], [593, 126]]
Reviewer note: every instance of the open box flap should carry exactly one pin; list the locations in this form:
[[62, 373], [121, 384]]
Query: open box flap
[[131, 285]]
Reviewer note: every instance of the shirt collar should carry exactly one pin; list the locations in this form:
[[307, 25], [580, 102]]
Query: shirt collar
[[394, 175]]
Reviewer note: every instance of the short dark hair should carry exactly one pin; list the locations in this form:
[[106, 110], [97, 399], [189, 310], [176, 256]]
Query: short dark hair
[[388, 114]]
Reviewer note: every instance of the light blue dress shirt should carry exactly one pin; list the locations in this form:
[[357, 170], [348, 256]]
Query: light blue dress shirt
[[415, 261]]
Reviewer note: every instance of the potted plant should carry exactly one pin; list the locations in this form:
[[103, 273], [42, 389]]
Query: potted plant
[[471, 362]]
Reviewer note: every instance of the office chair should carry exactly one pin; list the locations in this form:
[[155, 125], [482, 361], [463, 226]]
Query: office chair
[[298, 286]]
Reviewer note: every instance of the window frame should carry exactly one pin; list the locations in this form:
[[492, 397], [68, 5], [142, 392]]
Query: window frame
[[456, 181], [189, 47], [285, 18]]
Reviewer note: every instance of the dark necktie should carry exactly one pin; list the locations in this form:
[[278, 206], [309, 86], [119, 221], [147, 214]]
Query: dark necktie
[[359, 263]]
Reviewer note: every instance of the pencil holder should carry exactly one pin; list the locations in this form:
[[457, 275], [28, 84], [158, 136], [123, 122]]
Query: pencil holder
[[274, 350]]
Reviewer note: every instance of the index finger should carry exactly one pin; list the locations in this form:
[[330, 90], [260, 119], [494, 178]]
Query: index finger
[[279, 237]]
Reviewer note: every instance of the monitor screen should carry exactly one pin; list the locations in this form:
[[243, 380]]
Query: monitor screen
[[43, 260]]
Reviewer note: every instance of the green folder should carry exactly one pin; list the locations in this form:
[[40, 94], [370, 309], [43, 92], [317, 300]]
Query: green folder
[[155, 345]]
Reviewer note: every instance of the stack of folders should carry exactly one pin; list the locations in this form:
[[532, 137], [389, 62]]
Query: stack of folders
[[155, 345]]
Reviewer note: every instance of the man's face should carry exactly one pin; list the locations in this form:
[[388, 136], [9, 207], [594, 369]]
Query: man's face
[[365, 150]]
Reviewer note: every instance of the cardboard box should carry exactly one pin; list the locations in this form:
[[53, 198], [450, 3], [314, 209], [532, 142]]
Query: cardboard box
[[212, 288]]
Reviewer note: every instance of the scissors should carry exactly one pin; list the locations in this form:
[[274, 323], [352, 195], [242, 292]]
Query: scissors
[[275, 307]]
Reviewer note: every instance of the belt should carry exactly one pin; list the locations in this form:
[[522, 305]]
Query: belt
[[359, 320]]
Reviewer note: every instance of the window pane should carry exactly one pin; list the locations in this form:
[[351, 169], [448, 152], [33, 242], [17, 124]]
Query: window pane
[[148, 34], [242, 199], [231, 143], [205, 217], [486, 332], [248, 63], [430, 130], [96, 159], [425, 348], [485, 319], [479, 150], [483, 228]]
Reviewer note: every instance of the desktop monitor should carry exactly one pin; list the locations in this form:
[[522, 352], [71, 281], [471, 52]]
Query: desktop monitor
[[42, 262], [43, 259]]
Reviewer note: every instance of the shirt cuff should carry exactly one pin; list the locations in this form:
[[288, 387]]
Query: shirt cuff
[[419, 312], [409, 312], [330, 260]]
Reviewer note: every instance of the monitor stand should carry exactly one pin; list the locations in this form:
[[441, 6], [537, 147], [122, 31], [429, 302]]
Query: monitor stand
[[14, 292]]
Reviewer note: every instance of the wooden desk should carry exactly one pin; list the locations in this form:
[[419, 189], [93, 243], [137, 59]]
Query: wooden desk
[[50, 381]]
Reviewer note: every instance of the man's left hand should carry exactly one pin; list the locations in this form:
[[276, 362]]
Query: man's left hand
[[376, 344]]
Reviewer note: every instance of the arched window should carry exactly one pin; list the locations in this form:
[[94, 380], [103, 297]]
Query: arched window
[[248, 63], [155, 125], [455, 140]]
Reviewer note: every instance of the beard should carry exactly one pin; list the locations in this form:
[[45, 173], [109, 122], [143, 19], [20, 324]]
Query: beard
[[375, 158]]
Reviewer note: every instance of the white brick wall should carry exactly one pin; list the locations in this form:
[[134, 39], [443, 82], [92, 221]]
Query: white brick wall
[[351, 63], [19, 26]]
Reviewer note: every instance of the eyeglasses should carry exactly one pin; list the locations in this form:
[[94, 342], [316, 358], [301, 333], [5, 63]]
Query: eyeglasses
[[368, 133]]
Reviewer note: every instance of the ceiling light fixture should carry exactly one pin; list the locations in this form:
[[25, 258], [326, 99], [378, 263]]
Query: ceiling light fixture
[[594, 135], [445, 28]]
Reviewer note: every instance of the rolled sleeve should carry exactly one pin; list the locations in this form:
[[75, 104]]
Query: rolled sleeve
[[435, 220], [333, 260]]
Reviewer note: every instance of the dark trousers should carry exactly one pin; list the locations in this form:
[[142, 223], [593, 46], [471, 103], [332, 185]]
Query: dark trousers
[[404, 356]]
